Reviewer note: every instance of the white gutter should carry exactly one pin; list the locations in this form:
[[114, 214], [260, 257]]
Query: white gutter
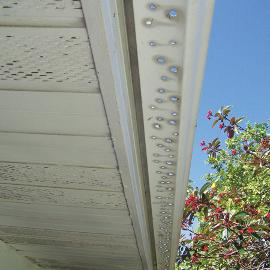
[[199, 18]]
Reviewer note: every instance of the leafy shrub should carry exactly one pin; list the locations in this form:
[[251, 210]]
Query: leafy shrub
[[231, 210]]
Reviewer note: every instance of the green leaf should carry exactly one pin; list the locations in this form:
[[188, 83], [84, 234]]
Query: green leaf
[[206, 229], [240, 215], [229, 204], [188, 241], [241, 251], [255, 235], [216, 142], [215, 122], [204, 187], [238, 120], [226, 110]]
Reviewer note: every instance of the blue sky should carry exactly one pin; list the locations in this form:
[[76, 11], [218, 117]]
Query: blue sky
[[237, 70]]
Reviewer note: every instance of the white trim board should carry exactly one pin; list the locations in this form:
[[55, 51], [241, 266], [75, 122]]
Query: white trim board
[[104, 20]]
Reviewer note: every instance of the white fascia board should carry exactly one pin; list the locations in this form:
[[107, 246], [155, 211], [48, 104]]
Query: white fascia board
[[199, 18], [105, 23], [114, 19]]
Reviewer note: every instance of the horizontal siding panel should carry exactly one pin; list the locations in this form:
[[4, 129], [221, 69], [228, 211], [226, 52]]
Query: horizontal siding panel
[[57, 149], [66, 197], [52, 113], [50, 58], [83, 247], [69, 103], [79, 252], [49, 87], [21, 217], [43, 8], [45, 21], [13, 235], [64, 13], [99, 263], [89, 263], [49, 123], [60, 176]]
